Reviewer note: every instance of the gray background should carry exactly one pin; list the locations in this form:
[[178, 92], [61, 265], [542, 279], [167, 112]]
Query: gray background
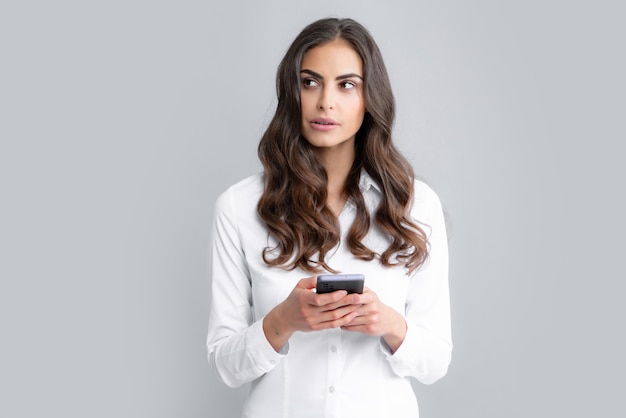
[[121, 122]]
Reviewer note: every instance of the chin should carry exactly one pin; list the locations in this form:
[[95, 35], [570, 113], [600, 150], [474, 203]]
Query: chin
[[323, 141]]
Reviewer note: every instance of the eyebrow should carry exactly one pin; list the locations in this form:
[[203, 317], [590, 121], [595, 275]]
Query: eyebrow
[[340, 77]]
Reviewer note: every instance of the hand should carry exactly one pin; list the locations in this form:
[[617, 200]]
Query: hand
[[305, 310], [377, 319]]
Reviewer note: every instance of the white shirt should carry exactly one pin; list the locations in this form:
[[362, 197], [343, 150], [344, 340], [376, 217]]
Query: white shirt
[[330, 373]]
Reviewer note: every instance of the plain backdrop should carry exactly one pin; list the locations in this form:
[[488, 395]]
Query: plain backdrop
[[122, 121]]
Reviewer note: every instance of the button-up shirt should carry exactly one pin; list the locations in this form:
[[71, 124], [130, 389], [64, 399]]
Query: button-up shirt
[[329, 373]]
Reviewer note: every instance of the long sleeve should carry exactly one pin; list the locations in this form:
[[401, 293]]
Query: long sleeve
[[331, 372], [237, 348], [426, 350]]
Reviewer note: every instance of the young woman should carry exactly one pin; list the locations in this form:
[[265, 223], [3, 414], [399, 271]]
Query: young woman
[[335, 196]]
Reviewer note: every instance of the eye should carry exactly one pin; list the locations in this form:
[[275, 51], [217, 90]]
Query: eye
[[310, 83], [347, 85]]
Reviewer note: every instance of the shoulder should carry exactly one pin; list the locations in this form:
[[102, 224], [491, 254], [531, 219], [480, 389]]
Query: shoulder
[[245, 193], [424, 192], [426, 202]]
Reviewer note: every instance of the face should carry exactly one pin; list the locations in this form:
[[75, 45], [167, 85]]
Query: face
[[331, 94]]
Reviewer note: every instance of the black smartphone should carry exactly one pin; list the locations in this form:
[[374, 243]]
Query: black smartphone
[[352, 283]]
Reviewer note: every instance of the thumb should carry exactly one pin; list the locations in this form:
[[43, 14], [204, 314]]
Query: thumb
[[307, 283]]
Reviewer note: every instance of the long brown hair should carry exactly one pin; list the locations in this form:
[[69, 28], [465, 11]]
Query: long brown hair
[[293, 204]]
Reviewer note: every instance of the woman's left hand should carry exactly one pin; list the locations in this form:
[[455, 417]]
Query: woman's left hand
[[377, 319]]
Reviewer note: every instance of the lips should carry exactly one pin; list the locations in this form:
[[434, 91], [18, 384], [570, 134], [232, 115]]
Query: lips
[[324, 121], [323, 124]]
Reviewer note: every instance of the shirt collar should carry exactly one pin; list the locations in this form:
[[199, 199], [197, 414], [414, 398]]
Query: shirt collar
[[366, 182]]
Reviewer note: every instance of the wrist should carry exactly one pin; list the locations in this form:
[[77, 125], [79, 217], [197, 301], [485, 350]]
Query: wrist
[[395, 337], [276, 330]]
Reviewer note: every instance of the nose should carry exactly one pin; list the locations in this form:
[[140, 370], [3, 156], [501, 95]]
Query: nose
[[326, 99]]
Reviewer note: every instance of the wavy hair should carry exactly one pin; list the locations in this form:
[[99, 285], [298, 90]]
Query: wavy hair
[[293, 203]]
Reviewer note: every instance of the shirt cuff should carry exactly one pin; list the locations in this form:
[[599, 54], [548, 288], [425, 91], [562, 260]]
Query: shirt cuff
[[406, 352], [420, 355], [266, 358]]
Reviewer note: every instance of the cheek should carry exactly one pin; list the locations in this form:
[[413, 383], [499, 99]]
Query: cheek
[[306, 101], [358, 113], [357, 106]]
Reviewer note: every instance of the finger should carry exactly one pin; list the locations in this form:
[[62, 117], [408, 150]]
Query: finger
[[337, 318], [358, 321], [346, 301], [307, 283], [361, 323], [350, 299], [363, 299], [324, 299]]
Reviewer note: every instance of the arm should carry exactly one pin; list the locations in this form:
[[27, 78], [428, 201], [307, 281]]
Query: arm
[[417, 343], [426, 350], [237, 348]]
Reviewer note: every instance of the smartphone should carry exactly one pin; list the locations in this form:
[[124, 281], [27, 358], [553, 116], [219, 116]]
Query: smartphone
[[352, 283]]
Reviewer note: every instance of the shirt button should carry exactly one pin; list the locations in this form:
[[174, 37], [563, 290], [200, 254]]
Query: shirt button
[[331, 389], [333, 348]]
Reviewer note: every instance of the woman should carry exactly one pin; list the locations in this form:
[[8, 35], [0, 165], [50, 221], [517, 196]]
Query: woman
[[335, 196]]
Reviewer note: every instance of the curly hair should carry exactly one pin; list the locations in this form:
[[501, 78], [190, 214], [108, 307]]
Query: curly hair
[[293, 204]]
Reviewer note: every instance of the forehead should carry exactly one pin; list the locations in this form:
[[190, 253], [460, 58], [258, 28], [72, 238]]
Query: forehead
[[334, 58]]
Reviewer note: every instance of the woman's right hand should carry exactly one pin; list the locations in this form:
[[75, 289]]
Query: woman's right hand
[[305, 310]]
